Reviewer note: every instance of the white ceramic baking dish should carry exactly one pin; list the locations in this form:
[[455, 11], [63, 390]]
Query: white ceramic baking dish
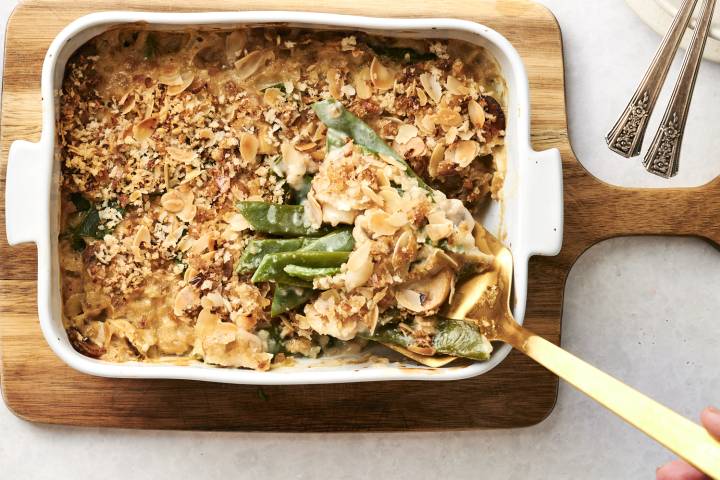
[[531, 216]]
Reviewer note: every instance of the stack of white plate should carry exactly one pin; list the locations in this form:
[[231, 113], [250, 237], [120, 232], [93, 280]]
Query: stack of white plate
[[659, 14]]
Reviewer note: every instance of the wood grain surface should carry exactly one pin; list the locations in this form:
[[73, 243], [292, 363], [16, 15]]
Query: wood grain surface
[[37, 386]]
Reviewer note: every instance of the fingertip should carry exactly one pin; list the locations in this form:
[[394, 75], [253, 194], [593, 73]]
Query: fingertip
[[710, 418], [678, 470]]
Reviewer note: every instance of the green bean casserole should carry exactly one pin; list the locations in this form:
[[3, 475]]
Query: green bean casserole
[[246, 197]]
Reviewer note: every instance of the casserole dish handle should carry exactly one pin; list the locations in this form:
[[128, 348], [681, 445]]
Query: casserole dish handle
[[26, 190], [544, 221]]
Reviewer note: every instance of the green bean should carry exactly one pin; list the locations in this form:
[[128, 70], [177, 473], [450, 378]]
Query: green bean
[[335, 139], [298, 196], [338, 241], [287, 297], [336, 117], [277, 219], [256, 250], [309, 273], [458, 338], [271, 268]]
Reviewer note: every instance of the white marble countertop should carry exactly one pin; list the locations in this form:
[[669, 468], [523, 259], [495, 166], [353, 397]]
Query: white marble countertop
[[643, 309]]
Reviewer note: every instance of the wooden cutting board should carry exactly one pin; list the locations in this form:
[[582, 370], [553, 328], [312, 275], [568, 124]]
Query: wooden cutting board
[[37, 386]]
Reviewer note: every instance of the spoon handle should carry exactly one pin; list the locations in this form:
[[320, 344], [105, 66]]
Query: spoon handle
[[626, 137], [663, 155], [684, 437]]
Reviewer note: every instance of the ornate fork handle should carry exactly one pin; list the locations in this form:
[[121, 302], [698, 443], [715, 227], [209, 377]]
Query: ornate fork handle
[[627, 135], [663, 157]]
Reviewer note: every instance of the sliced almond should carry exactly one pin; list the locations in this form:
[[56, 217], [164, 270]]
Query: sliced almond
[[359, 267], [144, 129], [437, 155], [415, 147], [465, 151], [431, 85], [182, 155], [405, 133], [249, 145], [186, 79], [272, 96], [476, 114], [172, 201], [362, 84], [455, 86], [238, 223], [447, 117], [187, 297], [381, 77], [404, 252], [381, 223], [335, 83], [313, 210]]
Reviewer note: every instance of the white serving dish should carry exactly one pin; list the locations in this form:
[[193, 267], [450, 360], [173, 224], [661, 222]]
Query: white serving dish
[[531, 217]]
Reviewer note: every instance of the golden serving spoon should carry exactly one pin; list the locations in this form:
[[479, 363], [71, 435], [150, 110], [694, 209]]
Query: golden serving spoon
[[485, 299]]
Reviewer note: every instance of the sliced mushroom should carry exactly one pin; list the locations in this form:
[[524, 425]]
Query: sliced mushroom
[[426, 295], [432, 260], [234, 44], [247, 66]]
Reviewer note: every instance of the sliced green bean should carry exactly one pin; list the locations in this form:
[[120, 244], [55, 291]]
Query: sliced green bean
[[287, 298], [278, 219], [338, 241], [336, 117], [309, 273], [256, 250], [272, 267]]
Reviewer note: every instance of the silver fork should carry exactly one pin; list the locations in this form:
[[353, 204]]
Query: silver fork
[[663, 157], [626, 136]]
